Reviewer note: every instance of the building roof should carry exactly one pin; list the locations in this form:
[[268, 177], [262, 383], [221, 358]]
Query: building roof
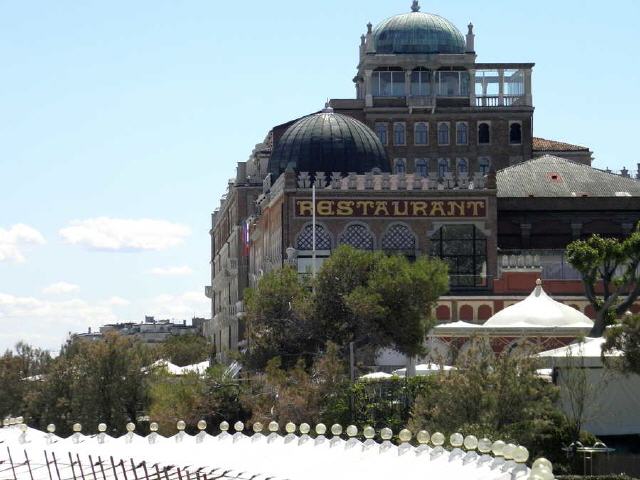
[[551, 176], [328, 142], [539, 310], [544, 145], [417, 32]]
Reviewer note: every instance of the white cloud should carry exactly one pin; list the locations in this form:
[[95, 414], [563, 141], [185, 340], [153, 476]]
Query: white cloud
[[46, 323], [118, 302], [13, 241], [171, 271], [60, 288], [182, 306], [114, 234]]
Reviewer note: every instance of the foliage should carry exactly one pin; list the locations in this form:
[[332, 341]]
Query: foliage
[[278, 319], [494, 395], [184, 350], [93, 382], [19, 373], [296, 394], [625, 336], [213, 397], [613, 264], [368, 298]]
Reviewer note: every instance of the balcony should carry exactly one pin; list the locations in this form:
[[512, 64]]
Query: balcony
[[552, 264]]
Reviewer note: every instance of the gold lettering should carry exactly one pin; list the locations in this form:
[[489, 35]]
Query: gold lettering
[[364, 205], [345, 208], [419, 208], [475, 205], [381, 207], [325, 208], [305, 208], [453, 206], [396, 209], [437, 207]]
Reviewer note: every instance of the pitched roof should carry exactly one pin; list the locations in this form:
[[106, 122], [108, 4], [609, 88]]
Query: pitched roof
[[542, 144], [550, 176]]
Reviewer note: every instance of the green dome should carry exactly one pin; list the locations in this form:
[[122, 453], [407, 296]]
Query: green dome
[[328, 142], [417, 32]]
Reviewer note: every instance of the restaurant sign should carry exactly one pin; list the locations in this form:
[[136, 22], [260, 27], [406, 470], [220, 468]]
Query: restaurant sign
[[405, 208]]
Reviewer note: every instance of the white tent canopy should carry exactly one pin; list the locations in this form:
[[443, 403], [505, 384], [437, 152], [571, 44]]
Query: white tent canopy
[[239, 456], [539, 310], [425, 369]]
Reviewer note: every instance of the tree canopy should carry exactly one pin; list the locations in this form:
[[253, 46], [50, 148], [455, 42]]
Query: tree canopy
[[369, 298], [610, 273]]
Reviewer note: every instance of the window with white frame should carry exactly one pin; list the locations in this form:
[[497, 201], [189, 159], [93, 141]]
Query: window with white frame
[[422, 167], [399, 134], [462, 133], [382, 133], [421, 133], [452, 83], [399, 165], [443, 133], [388, 82], [420, 82]]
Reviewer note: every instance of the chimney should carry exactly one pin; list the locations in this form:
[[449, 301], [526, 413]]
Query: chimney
[[624, 172], [471, 39], [241, 172], [89, 330], [638, 171]]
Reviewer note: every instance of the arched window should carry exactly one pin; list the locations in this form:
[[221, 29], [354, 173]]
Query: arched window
[[399, 166], [399, 237], [421, 167], [388, 82], [358, 236], [421, 82], [464, 249], [484, 133], [443, 133], [305, 238], [443, 167], [484, 165], [421, 133], [399, 134], [463, 166], [462, 133], [515, 134], [381, 131]]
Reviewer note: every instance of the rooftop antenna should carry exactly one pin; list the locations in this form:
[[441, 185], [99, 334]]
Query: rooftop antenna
[[415, 6]]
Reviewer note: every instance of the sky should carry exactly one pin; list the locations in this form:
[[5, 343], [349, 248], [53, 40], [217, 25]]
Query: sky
[[121, 123]]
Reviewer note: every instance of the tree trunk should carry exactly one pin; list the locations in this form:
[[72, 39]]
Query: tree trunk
[[599, 324]]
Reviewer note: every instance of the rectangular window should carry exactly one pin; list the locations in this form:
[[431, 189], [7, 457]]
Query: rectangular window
[[387, 84], [399, 165], [381, 131]]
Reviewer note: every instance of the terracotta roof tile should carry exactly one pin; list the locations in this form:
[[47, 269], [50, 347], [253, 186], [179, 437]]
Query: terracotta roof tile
[[542, 144]]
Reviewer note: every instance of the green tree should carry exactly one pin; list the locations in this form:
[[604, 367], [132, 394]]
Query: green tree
[[612, 265], [20, 373], [279, 321], [93, 382], [378, 300], [625, 336], [185, 349]]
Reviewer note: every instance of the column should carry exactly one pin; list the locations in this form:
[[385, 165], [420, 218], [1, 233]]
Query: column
[[472, 88], [368, 90], [407, 83], [501, 87], [527, 87]]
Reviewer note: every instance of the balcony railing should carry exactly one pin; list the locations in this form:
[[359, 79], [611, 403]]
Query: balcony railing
[[500, 101], [552, 263]]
